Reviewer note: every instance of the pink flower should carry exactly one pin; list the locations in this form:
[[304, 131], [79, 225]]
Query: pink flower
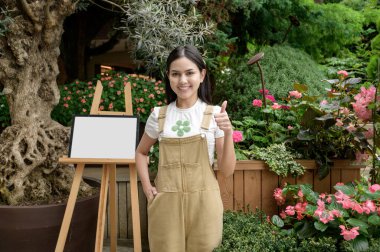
[[118, 92], [290, 210], [283, 215], [300, 194], [339, 122], [349, 234], [271, 98], [276, 106], [237, 136], [141, 99], [351, 127], [295, 94], [369, 206], [285, 107], [66, 105], [323, 102], [345, 111], [290, 127], [369, 133], [110, 106], [84, 110], [278, 196], [266, 91], [343, 73], [360, 157], [374, 188], [257, 103]]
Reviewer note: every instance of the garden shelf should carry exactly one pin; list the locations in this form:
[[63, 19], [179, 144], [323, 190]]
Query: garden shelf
[[252, 184]]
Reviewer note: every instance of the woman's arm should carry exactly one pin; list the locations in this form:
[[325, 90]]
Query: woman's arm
[[142, 165], [224, 145]]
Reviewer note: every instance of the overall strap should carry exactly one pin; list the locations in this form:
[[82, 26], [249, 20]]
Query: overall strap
[[207, 115], [161, 118]]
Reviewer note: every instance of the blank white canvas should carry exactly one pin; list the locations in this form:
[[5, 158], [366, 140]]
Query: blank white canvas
[[104, 137]]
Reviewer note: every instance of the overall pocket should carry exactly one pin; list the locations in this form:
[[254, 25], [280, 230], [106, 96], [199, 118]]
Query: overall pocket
[[169, 178], [194, 175]]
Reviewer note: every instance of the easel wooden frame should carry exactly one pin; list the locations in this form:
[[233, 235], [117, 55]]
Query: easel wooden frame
[[108, 179]]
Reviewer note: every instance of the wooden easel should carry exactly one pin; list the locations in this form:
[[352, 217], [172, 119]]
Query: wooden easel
[[108, 178]]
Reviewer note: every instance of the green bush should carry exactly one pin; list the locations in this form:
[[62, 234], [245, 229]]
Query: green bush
[[282, 67], [246, 232], [76, 97]]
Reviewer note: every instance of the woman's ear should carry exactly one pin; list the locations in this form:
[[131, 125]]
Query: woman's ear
[[203, 74]]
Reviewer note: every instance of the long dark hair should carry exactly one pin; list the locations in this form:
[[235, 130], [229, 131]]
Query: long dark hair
[[191, 53]]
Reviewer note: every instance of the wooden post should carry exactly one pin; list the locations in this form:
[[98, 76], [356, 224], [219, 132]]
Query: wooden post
[[108, 180]]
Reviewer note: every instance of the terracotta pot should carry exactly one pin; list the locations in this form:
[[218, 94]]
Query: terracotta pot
[[36, 228]]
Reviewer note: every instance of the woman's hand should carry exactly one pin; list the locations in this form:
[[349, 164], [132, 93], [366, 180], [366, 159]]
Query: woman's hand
[[223, 121], [150, 191]]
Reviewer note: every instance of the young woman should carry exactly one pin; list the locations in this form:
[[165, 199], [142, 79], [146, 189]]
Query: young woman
[[185, 211]]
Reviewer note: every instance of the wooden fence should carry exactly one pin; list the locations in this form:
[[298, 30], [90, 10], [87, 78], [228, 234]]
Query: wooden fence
[[252, 184]]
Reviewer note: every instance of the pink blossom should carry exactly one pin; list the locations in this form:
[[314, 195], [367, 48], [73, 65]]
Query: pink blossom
[[369, 133], [285, 107], [290, 127], [276, 106], [271, 98], [283, 215], [351, 127], [339, 122], [151, 96], [83, 101], [323, 102], [369, 207], [290, 210], [300, 194], [110, 106], [360, 157], [374, 188], [278, 196], [339, 184], [322, 195], [362, 100], [84, 110], [66, 105], [349, 234], [257, 103], [343, 73], [118, 92], [237, 136], [295, 94], [345, 111], [141, 99], [266, 91], [101, 108]]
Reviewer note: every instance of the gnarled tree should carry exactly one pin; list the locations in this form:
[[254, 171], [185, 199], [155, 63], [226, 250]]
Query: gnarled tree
[[31, 146], [29, 49]]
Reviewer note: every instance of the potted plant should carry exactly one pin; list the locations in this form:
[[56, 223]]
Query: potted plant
[[337, 125]]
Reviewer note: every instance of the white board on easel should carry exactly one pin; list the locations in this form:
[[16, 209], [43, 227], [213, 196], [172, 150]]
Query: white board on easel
[[102, 136]]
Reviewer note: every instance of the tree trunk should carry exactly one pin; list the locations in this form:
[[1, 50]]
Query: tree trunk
[[31, 146]]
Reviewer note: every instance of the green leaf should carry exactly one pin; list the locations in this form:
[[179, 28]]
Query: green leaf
[[374, 220], [360, 243], [358, 223], [186, 123], [277, 221], [180, 132], [186, 129], [320, 226], [306, 230], [346, 189], [309, 193]]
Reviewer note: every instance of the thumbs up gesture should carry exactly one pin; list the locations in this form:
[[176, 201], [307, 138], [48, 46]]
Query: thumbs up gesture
[[222, 119]]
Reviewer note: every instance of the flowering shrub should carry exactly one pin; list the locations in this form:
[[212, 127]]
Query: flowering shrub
[[76, 97], [352, 213], [339, 124]]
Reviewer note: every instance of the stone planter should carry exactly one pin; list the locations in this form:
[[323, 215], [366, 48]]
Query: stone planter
[[36, 228], [252, 184]]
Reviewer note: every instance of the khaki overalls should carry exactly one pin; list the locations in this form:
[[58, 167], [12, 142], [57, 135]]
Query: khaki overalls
[[187, 213]]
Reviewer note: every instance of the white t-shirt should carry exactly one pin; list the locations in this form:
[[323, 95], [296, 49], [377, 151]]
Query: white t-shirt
[[184, 123]]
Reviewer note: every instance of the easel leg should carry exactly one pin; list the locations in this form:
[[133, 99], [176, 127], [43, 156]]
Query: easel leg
[[135, 208], [69, 208], [102, 209], [112, 208]]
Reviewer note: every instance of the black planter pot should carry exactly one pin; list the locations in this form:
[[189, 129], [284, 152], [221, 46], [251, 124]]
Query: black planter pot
[[36, 228]]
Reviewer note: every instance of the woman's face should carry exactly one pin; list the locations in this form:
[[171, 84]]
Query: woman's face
[[185, 78]]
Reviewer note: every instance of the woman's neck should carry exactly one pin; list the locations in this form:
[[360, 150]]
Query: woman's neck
[[185, 104]]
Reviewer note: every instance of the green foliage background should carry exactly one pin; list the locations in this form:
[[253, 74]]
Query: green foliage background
[[282, 66]]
